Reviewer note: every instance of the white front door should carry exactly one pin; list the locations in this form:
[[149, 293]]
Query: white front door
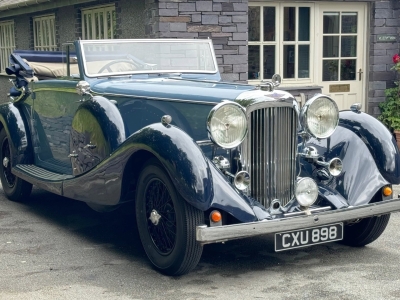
[[341, 67]]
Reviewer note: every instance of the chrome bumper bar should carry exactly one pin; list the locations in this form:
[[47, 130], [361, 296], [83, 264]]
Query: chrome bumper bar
[[207, 235]]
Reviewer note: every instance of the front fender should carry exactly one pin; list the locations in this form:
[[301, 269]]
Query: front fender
[[97, 130], [198, 182], [379, 141], [179, 154], [369, 154]]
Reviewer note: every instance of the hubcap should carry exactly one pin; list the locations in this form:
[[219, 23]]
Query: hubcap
[[161, 224], [5, 162], [8, 176], [154, 217]]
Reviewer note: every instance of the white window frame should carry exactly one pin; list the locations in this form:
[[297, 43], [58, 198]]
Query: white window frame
[[95, 29], [44, 33], [7, 43], [279, 42]]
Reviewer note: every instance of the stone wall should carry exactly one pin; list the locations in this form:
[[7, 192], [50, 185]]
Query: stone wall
[[223, 21], [384, 19]]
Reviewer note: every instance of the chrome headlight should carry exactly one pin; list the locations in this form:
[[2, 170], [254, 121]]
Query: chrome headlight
[[306, 191], [227, 124], [320, 116]]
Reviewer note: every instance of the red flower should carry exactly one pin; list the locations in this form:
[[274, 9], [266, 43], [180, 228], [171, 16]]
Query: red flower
[[396, 58]]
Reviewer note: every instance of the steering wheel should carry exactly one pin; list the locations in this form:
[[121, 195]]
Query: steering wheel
[[117, 61]]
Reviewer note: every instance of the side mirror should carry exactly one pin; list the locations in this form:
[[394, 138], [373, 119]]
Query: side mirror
[[83, 88]]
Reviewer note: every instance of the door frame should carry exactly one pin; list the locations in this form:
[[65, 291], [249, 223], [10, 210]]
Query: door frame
[[365, 8]]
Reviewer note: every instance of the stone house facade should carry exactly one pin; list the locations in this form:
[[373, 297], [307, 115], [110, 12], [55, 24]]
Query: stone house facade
[[341, 48]]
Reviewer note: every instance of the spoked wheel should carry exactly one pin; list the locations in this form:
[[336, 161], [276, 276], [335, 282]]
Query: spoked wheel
[[15, 188], [166, 223], [367, 230]]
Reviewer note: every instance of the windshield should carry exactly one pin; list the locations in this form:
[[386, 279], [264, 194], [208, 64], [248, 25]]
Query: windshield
[[116, 57]]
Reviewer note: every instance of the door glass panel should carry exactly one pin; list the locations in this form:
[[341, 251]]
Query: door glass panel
[[330, 70], [304, 61], [331, 22], [254, 23], [289, 21], [348, 69], [304, 23], [269, 24], [349, 46], [269, 61], [331, 46], [288, 61], [254, 62], [349, 22]]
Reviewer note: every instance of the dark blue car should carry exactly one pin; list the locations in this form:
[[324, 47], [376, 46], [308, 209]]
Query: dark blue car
[[150, 121]]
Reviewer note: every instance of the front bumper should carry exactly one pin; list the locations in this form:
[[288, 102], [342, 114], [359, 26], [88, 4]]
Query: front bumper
[[208, 235]]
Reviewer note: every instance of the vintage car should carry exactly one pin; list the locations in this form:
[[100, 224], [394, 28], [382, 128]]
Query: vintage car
[[205, 161]]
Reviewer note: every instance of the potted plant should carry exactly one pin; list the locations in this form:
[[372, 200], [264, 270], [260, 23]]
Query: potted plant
[[390, 108]]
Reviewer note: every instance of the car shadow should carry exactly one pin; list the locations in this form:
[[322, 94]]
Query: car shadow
[[231, 259]]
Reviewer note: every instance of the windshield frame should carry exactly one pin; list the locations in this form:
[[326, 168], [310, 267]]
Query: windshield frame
[[133, 72]]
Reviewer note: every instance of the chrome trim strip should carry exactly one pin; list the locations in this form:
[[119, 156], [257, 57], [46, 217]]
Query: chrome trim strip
[[155, 98], [207, 235], [205, 143], [304, 212]]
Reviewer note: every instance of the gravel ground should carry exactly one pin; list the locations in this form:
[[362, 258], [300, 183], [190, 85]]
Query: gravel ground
[[55, 248]]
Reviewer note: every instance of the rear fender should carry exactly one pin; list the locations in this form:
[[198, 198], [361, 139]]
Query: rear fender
[[17, 130]]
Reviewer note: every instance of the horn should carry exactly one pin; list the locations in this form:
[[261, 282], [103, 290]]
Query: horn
[[334, 166]]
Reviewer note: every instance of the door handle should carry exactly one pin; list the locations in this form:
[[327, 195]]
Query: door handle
[[359, 74]]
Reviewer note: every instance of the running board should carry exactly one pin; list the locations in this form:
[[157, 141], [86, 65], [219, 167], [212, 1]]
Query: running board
[[40, 177]]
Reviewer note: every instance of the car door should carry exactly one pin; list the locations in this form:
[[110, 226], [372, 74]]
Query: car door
[[54, 105]]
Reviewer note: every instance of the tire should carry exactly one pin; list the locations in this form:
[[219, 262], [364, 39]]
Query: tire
[[169, 242], [14, 188], [364, 232]]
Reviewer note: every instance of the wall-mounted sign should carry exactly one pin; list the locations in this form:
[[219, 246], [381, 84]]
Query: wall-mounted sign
[[386, 38], [339, 88]]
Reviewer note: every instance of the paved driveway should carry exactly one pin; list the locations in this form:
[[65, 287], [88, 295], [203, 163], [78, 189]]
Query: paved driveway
[[55, 248]]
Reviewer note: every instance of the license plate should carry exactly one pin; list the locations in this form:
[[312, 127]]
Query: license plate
[[309, 236]]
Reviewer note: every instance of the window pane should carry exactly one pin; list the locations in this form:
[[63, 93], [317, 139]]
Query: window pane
[[331, 46], [331, 22], [269, 24], [254, 23], [254, 62], [349, 46], [348, 69], [330, 70], [288, 61], [269, 61], [304, 61], [289, 23], [304, 23], [349, 22]]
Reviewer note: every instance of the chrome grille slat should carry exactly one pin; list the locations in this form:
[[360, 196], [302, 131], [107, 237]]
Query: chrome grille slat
[[269, 153]]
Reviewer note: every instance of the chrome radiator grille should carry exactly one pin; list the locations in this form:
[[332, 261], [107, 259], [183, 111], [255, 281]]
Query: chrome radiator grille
[[269, 152]]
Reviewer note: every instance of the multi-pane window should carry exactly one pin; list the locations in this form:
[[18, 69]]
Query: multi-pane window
[[280, 41], [7, 43], [44, 33], [98, 23], [339, 46]]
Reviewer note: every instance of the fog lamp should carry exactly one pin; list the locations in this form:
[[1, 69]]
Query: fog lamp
[[306, 191]]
